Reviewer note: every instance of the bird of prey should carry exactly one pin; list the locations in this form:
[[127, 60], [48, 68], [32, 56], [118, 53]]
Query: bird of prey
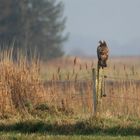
[[102, 53]]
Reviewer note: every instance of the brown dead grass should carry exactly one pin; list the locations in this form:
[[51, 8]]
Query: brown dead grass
[[70, 75], [20, 84], [68, 85]]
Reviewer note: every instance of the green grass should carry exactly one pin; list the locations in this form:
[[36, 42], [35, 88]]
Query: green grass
[[68, 129], [38, 136]]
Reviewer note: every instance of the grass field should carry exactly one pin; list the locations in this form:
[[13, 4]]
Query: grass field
[[31, 108], [122, 84], [58, 128], [19, 136]]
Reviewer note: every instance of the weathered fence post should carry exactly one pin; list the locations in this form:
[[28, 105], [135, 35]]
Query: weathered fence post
[[97, 90], [94, 92]]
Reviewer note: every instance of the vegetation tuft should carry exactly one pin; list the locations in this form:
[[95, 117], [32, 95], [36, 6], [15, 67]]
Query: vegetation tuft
[[20, 85]]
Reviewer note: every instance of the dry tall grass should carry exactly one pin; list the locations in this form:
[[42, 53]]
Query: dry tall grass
[[122, 97], [20, 84], [70, 88], [72, 85], [68, 85]]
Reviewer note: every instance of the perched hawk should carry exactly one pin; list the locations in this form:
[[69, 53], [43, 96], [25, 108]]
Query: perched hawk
[[102, 53]]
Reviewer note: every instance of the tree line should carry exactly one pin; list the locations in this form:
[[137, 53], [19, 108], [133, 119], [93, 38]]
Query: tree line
[[33, 25]]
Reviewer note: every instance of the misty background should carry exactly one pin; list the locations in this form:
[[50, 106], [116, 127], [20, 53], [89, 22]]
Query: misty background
[[56, 28], [116, 21]]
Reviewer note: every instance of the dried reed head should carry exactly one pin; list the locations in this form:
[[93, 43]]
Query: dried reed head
[[58, 70], [75, 61], [86, 66]]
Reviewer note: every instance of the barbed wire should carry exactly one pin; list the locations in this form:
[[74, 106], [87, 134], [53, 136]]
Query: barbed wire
[[126, 98], [121, 78]]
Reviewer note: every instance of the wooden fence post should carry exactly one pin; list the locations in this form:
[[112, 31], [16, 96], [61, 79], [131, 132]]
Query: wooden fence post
[[99, 87], [97, 90], [99, 84], [94, 92]]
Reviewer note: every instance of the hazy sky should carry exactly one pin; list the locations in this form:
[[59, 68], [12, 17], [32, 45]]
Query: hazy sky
[[116, 21]]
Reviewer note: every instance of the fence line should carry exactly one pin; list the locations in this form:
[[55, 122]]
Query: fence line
[[79, 94], [126, 98], [122, 78]]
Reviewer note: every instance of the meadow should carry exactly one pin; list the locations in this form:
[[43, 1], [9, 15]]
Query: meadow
[[54, 100], [73, 76]]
